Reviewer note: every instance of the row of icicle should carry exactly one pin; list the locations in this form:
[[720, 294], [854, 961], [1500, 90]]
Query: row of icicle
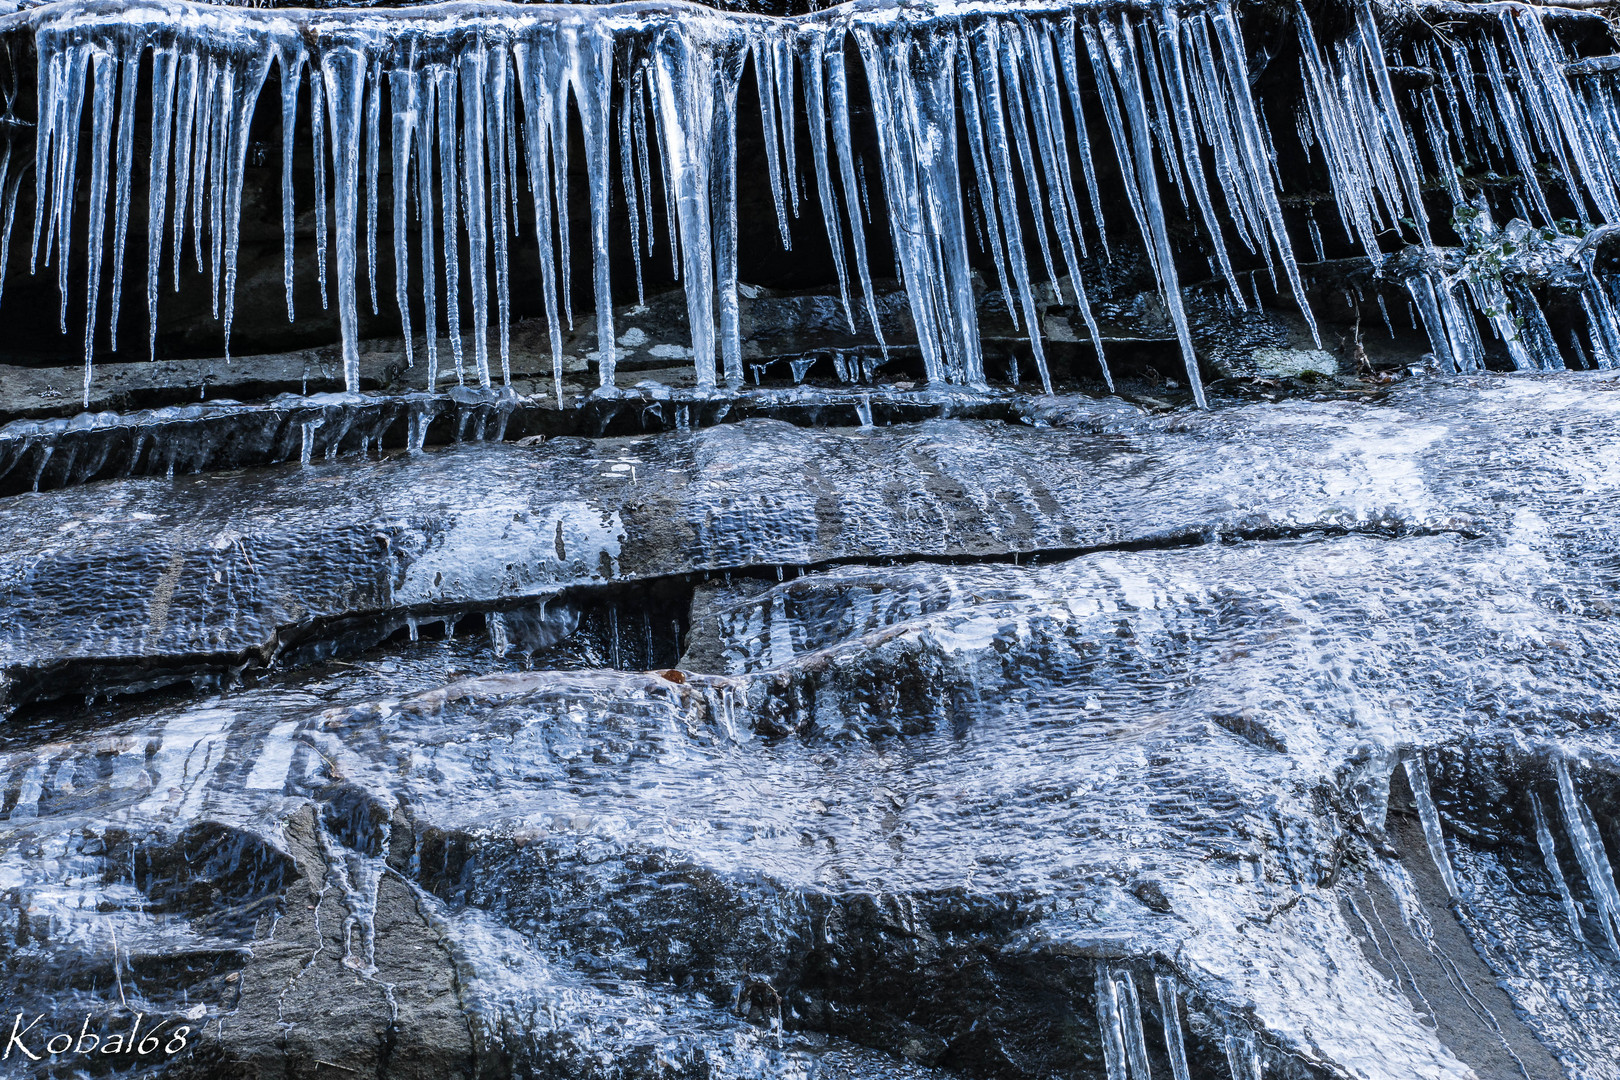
[[468, 96], [1124, 1039], [1526, 106], [472, 93], [1584, 839]]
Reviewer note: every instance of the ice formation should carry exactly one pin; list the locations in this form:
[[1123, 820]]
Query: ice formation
[[472, 89], [468, 96]]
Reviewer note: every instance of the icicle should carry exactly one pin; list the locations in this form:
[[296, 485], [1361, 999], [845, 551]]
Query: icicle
[[829, 51], [1255, 147], [104, 78], [1174, 1043], [1131, 1014], [629, 94], [474, 67], [1172, 83], [202, 145], [317, 123], [1549, 856], [786, 112], [723, 216], [684, 81], [538, 113], [764, 54], [1108, 1021], [1071, 83], [1589, 852], [343, 70], [1191, 155], [444, 94], [1243, 1056], [497, 98], [1116, 71], [248, 84], [1418, 779], [402, 106], [292, 70], [157, 190], [373, 137], [994, 163], [815, 104], [422, 96], [915, 112], [65, 166], [219, 154], [185, 132], [130, 63]]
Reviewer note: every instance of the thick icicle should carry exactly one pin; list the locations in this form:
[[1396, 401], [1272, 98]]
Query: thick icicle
[[912, 77], [1589, 852], [1175, 1046], [592, 50], [1242, 1055], [344, 72], [1549, 856], [1115, 69], [684, 84], [537, 92], [1418, 779], [1110, 1024]]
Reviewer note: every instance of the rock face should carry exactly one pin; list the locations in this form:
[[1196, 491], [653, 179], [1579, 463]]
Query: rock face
[[818, 698], [959, 748]]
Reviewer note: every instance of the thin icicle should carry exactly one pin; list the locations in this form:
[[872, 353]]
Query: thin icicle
[[423, 97], [1549, 856], [829, 51], [373, 137], [474, 69], [444, 81], [764, 54], [249, 84], [292, 71], [317, 124], [130, 64], [1131, 1015], [104, 79]]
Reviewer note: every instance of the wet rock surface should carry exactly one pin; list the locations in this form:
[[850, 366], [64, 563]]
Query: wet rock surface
[[1279, 736]]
